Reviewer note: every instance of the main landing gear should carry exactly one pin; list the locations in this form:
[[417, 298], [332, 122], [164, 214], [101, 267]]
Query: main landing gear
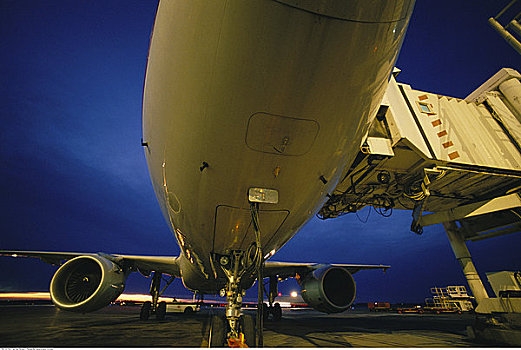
[[272, 308], [275, 311], [153, 307]]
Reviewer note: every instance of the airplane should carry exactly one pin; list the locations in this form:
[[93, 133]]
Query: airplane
[[252, 113]]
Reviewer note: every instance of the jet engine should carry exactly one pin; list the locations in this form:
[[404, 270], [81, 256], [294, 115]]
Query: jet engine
[[330, 289], [87, 283]]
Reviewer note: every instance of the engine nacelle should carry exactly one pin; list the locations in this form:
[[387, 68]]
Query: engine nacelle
[[87, 283], [330, 289]]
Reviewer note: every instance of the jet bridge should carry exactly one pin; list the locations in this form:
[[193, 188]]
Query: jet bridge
[[449, 160], [428, 152]]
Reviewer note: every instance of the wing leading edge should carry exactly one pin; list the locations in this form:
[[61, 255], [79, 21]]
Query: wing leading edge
[[288, 269], [170, 265], [145, 264]]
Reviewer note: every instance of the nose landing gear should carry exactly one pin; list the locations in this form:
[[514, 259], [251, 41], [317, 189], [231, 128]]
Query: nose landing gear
[[239, 328], [221, 334]]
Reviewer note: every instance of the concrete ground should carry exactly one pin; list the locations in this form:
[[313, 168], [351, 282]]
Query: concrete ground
[[119, 326]]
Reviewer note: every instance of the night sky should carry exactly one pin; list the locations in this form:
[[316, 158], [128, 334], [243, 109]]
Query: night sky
[[73, 175]]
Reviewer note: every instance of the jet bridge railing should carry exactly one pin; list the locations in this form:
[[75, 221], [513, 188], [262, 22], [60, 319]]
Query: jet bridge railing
[[512, 25]]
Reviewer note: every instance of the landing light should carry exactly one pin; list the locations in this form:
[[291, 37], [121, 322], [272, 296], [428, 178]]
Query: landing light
[[294, 294], [263, 195], [270, 254]]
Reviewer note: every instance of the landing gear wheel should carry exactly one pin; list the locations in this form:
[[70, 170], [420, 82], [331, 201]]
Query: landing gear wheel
[[145, 311], [161, 311], [276, 312], [248, 329], [265, 311], [217, 332]]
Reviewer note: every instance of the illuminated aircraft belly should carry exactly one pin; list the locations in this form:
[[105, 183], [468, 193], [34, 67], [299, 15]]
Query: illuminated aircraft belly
[[259, 94]]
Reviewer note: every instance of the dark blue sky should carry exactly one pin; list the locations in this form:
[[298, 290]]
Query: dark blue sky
[[73, 175]]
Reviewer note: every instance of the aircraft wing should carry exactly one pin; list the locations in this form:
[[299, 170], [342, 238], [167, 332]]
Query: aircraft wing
[[288, 269], [144, 264]]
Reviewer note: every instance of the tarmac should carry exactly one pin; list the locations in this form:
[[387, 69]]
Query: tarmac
[[120, 326]]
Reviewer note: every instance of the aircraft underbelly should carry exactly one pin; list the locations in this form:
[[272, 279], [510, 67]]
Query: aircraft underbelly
[[256, 94]]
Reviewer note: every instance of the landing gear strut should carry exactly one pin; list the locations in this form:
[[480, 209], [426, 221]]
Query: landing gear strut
[[239, 329], [155, 291]]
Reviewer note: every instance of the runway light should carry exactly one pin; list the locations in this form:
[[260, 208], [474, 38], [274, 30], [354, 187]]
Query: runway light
[[294, 294], [25, 296]]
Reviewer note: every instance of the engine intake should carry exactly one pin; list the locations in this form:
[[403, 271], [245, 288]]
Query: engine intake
[[87, 283], [330, 289]]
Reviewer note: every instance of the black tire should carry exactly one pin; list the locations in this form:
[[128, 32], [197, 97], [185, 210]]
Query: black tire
[[144, 314], [276, 312], [161, 311], [248, 329], [265, 311], [217, 332], [188, 310]]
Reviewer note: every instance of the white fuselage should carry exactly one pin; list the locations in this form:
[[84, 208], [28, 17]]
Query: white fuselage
[[269, 94]]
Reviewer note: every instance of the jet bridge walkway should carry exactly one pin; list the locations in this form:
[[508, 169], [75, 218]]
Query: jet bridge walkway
[[427, 152], [451, 161]]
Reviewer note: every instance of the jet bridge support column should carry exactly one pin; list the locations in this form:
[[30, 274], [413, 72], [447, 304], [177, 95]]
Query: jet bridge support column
[[463, 255]]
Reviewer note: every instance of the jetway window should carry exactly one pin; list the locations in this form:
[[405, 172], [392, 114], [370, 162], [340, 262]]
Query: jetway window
[[425, 107]]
